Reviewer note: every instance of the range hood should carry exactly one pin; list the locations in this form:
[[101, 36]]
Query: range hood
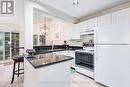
[[87, 32]]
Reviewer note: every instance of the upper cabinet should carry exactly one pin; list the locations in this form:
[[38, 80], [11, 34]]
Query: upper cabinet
[[105, 20], [82, 26], [92, 23], [75, 31], [122, 16], [67, 31], [71, 32], [88, 25]]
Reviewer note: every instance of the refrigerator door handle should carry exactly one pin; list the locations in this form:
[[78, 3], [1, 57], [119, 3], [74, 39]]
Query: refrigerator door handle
[[96, 53], [96, 41], [95, 36]]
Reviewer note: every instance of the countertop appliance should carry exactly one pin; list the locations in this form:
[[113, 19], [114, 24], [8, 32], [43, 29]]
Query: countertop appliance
[[88, 44], [112, 56]]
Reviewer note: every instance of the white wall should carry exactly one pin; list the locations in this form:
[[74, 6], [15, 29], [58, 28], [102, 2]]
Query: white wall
[[18, 17], [14, 23], [28, 25]]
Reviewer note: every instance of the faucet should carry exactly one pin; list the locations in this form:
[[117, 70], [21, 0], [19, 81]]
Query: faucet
[[52, 45]]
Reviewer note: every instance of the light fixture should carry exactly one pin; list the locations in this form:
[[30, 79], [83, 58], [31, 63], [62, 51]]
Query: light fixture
[[75, 2], [44, 29]]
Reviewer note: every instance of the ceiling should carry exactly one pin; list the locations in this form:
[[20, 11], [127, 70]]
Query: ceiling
[[85, 7]]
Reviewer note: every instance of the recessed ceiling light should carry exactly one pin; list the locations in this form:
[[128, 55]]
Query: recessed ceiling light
[[75, 2]]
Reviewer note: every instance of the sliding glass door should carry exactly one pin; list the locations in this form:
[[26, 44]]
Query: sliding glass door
[[4, 45], [9, 42], [1, 46], [15, 44], [7, 45]]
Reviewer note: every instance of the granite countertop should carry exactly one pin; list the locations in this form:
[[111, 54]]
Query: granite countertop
[[54, 50], [47, 59]]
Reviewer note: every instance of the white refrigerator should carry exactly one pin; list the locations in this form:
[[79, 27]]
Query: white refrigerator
[[112, 55]]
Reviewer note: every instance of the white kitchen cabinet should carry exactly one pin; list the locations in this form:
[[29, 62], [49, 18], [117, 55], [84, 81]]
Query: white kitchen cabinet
[[92, 23], [83, 26], [56, 75], [88, 25], [67, 32], [71, 32], [75, 32], [122, 16], [104, 20]]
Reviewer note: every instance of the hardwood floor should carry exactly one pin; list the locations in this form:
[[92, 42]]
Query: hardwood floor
[[77, 80]]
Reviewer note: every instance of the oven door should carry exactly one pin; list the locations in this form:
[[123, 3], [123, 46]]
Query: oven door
[[84, 59]]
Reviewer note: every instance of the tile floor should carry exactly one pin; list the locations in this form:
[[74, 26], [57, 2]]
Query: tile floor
[[77, 79]]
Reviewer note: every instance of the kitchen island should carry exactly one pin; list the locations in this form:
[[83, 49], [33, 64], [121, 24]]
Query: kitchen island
[[47, 70]]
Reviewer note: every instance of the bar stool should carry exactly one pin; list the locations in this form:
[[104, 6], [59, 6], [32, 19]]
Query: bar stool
[[17, 60]]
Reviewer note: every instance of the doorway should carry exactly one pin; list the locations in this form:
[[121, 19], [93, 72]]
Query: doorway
[[8, 41]]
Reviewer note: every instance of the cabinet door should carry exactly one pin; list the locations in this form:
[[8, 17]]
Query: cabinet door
[[83, 26], [105, 20], [67, 32], [75, 32], [92, 23], [121, 16]]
